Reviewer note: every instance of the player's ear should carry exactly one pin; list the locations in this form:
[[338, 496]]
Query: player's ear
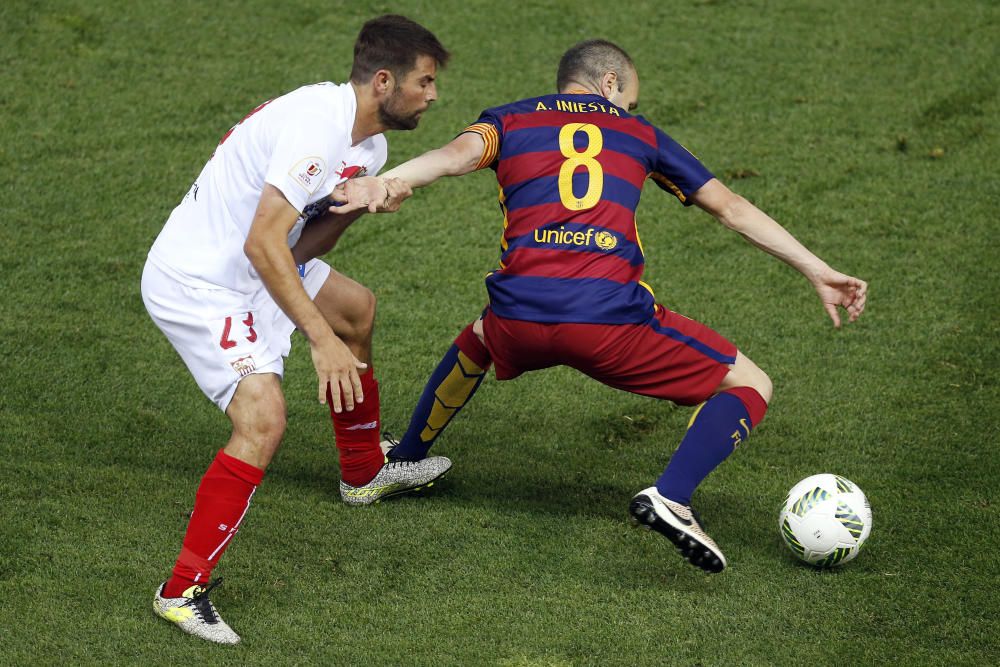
[[383, 82], [609, 84]]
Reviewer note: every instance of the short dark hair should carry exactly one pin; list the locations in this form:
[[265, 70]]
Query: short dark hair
[[588, 61], [393, 42]]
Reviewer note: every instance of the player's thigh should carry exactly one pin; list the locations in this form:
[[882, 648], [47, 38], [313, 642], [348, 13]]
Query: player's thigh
[[745, 373], [221, 335], [671, 357], [477, 328], [517, 346], [346, 304]]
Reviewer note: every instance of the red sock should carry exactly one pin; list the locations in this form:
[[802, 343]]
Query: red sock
[[220, 504], [357, 435], [754, 403]]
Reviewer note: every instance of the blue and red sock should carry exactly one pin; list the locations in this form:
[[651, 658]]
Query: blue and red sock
[[450, 387], [717, 427]]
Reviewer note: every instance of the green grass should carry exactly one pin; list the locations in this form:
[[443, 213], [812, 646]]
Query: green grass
[[870, 131]]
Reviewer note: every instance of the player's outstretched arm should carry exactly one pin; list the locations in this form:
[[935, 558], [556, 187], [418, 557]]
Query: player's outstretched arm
[[835, 289], [460, 156], [456, 158]]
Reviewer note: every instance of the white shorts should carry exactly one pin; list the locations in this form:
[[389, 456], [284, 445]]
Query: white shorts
[[224, 335]]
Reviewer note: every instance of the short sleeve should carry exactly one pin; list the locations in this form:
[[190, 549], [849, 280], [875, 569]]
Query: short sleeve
[[380, 154], [304, 154], [490, 128], [676, 170]]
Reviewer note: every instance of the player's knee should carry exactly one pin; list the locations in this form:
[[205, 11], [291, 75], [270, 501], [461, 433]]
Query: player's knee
[[764, 386], [269, 427], [746, 373], [361, 316], [757, 379], [258, 412], [367, 319]]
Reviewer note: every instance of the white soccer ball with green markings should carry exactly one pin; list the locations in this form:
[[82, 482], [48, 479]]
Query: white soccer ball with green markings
[[825, 520]]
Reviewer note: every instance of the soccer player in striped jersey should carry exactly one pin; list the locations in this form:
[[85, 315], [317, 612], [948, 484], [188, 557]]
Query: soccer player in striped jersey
[[568, 290]]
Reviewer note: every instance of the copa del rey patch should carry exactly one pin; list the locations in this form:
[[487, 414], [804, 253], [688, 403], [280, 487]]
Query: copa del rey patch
[[309, 173]]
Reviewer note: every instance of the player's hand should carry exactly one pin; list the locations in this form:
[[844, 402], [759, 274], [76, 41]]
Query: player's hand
[[836, 289], [378, 195], [357, 193], [397, 190], [337, 371]]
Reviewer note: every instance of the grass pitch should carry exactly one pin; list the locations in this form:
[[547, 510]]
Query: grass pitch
[[870, 131]]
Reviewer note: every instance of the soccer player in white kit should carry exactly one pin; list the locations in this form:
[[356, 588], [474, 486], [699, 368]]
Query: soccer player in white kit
[[222, 282]]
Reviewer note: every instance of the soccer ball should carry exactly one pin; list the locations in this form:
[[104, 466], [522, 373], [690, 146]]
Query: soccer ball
[[825, 520]]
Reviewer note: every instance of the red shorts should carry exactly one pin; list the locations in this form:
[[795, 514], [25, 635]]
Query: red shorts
[[670, 357]]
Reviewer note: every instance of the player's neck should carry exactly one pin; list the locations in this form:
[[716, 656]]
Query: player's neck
[[574, 88], [366, 118]]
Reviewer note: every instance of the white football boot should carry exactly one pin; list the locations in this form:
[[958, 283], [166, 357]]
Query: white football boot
[[396, 477], [195, 614], [679, 524]]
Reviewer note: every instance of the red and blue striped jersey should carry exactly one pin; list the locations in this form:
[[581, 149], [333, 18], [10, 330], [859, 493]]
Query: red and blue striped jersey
[[571, 169]]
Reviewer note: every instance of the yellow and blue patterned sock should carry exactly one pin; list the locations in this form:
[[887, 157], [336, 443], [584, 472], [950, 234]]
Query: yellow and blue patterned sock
[[450, 387]]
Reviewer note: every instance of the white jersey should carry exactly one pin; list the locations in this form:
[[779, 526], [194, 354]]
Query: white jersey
[[301, 144]]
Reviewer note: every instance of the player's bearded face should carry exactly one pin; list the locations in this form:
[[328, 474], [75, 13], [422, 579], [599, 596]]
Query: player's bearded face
[[399, 113], [410, 97]]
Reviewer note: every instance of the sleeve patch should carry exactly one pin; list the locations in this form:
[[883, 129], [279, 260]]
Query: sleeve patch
[[491, 140], [309, 173], [667, 184]]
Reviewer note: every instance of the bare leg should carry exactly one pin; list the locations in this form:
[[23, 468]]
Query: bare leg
[[349, 307], [745, 373], [257, 413]]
